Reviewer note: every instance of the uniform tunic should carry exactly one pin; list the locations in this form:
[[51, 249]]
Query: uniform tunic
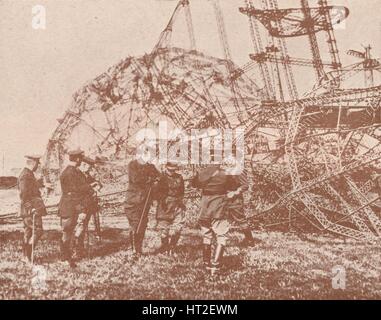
[[215, 184], [91, 202], [170, 195], [75, 192], [30, 196], [140, 179], [75, 189], [235, 206], [92, 206]]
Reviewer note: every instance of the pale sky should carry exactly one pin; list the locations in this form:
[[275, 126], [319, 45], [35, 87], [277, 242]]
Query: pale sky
[[41, 69]]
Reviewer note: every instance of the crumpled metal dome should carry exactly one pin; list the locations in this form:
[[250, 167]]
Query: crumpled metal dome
[[186, 88]]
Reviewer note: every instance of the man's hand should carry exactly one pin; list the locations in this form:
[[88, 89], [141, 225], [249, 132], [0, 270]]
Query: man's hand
[[231, 194]]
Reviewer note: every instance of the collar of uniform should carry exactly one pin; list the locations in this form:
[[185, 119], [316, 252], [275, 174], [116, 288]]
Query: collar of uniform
[[28, 170]]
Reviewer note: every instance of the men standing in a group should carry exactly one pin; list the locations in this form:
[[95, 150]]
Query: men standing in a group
[[75, 189], [142, 178], [32, 207]]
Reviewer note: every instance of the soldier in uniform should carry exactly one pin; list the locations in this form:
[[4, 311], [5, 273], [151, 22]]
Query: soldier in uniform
[[215, 184], [75, 190], [32, 207], [169, 215], [235, 204], [91, 207], [142, 177]]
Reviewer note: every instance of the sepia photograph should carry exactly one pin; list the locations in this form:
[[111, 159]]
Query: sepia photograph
[[198, 150]]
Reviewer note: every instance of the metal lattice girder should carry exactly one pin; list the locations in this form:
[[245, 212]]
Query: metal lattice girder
[[297, 149], [363, 200], [291, 22], [356, 219], [328, 225], [175, 85]]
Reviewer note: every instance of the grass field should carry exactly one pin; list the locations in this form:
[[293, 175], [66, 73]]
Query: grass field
[[279, 266]]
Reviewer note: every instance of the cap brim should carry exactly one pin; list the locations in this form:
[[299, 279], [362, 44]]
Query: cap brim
[[88, 160], [36, 158]]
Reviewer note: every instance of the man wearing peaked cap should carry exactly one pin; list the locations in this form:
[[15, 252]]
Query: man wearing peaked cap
[[75, 190], [89, 161], [76, 153], [33, 157], [32, 207]]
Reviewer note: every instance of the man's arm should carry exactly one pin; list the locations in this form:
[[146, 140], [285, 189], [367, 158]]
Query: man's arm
[[240, 183], [153, 173], [135, 175], [243, 181], [24, 187], [83, 187], [160, 190], [182, 192]]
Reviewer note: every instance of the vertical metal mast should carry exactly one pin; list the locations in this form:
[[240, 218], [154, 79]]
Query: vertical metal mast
[[331, 40], [309, 23]]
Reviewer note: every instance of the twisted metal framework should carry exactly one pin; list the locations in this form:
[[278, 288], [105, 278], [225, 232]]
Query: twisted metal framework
[[310, 158]]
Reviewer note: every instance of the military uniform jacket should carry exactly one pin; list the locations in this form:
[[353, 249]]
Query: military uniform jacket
[[91, 202], [212, 181], [170, 195], [75, 191], [214, 184], [235, 206], [30, 196], [140, 178]]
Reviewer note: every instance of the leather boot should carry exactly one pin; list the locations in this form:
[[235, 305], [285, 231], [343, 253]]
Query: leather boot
[[173, 242], [206, 254], [27, 251], [248, 240], [137, 244], [217, 259], [62, 251], [164, 246], [131, 235], [79, 248], [24, 249], [66, 254]]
